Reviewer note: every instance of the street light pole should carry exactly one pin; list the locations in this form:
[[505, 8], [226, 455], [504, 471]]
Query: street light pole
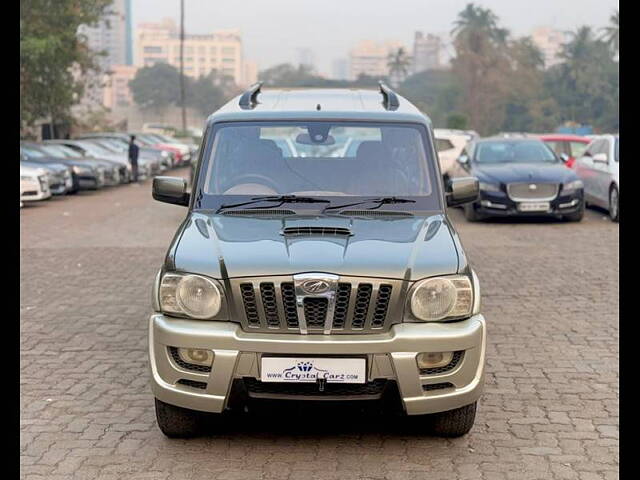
[[182, 103]]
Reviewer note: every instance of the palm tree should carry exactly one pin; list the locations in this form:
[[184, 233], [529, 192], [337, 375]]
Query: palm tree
[[474, 24], [611, 34], [398, 62]]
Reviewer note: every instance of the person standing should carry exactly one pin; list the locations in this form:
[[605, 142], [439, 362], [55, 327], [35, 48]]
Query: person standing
[[133, 158]]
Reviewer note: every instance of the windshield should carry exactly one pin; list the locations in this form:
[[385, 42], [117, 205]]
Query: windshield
[[31, 152], [55, 150], [93, 149], [529, 151], [319, 159]]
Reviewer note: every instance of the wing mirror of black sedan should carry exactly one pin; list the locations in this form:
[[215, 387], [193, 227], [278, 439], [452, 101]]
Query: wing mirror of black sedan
[[462, 190], [170, 190]]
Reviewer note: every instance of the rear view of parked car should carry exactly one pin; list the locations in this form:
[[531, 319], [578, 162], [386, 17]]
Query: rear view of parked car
[[598, 169], [521, 177]]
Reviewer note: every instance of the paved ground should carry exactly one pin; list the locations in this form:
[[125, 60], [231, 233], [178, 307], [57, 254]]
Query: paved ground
[[550, 294]]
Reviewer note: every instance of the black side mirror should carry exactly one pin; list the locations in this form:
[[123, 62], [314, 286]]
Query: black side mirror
[[462, 190], [170, 190]]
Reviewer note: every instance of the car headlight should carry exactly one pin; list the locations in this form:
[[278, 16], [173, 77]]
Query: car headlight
[[190, 295], [438, 298], [489, 187], [81, 170], [571, 186]]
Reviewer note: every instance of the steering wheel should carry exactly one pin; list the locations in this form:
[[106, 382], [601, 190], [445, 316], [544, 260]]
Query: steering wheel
[[252, 178]]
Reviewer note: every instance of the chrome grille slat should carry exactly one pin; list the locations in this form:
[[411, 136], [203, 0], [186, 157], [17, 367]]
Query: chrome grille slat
[[359, 306], [525, 192]]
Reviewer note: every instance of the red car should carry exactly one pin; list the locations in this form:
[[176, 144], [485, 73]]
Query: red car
[[571, 145]]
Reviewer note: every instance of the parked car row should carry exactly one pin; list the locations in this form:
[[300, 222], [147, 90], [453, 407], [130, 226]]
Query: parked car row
[[93, 161], [535, 174]]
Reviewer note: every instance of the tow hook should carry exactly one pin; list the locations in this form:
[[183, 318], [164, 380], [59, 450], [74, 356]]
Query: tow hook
[[321, 383]]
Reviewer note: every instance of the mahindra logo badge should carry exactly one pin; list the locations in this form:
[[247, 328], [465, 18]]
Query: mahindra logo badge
[[533, 186], [315, 286]]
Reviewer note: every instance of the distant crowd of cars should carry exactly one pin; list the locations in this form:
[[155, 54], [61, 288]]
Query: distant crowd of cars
[[92, 161], [523, 174]]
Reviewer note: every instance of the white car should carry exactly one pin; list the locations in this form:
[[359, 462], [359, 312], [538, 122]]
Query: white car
[[34, 184], [449, 144], [598, 169]]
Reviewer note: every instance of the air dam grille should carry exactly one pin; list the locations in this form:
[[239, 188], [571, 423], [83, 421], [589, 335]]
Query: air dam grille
[[361, 306]]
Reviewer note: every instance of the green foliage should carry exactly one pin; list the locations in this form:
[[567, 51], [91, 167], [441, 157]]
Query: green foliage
[[205, 94], [156, 87], [457, 121], [435, 92], [50, 49]]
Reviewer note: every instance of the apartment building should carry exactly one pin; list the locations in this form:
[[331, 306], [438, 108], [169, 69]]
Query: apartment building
[[220, 50], [549, 41], [371, 58], [426, 52]]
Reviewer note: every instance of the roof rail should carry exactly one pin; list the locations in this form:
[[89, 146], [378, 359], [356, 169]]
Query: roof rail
[[248, 98], [390, 99]]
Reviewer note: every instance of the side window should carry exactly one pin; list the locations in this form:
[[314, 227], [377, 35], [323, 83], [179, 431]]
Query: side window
[[443, 144], [593, 149]]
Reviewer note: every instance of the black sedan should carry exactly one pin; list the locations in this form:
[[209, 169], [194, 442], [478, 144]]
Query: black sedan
[[521, 177]]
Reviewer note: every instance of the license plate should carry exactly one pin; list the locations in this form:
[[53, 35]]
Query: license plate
[[308, 370], [533, 207]]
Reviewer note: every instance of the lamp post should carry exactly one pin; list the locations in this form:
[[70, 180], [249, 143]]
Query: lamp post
[[182, 102]]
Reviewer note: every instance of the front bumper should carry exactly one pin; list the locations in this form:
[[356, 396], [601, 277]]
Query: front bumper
[[390, 355], [500, 205]]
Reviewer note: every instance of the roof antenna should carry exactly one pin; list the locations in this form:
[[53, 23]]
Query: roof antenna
[[318, 107]]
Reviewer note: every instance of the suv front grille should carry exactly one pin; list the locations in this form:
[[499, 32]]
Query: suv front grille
[[269, 304], [532, 191]]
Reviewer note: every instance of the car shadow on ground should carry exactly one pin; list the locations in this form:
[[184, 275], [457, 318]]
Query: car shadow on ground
[[317, 419]]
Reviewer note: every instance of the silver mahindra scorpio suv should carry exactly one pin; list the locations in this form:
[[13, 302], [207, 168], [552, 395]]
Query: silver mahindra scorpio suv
[[316, 262]]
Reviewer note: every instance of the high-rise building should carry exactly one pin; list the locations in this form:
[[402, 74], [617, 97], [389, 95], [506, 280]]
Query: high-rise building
[[340, 69], [116, 91], [549, 41], [426, 52], [221, 50], [371, 58], [306, 56], [111, 35]]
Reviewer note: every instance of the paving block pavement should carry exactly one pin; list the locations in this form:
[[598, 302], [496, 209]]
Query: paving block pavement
[[550, 409]]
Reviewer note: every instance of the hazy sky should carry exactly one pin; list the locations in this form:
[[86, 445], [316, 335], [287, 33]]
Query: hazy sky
[[273, 30]]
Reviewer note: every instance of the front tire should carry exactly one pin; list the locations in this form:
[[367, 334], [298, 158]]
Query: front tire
[[576, 216], [614, 204], [454, 423], [471, 214], [178, 422]]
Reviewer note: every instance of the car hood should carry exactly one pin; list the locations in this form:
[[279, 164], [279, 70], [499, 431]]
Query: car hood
[[406, 248], [523, 172]]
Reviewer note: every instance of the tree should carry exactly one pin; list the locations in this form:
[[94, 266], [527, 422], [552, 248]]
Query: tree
[[436, 92], [205, 94], [398, 63], [611, 34], [482, 64], [156, 87], [50, 51]]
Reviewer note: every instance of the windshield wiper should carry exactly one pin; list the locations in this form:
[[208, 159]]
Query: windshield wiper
[[378, 200], [282, 199]]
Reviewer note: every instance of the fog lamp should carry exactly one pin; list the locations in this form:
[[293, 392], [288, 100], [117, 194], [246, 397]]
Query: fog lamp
[[434, 359], [196, 355]]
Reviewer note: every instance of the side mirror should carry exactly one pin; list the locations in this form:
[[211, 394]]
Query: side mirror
[[462, 190], [170, 190], [564, 157], [463, 160], [600, 158]]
